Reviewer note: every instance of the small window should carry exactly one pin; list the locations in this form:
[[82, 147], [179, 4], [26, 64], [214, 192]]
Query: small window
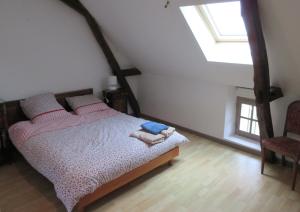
[[246, 118], [225, 21]]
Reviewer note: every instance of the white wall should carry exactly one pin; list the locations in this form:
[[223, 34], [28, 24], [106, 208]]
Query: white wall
[[159, 41], [185, 101], [280, 20], [178, 84], [45, 46]]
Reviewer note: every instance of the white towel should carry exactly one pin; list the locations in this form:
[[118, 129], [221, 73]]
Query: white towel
[[151, 138], [168, 132], [148, 137]]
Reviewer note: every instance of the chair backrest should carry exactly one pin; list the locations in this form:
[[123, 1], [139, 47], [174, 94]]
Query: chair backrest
[[292, 123]]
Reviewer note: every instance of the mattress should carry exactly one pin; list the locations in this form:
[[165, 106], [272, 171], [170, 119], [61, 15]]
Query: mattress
[[81, 153]]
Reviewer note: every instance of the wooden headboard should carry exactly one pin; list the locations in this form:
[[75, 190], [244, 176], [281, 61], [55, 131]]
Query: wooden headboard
[[15, 114]]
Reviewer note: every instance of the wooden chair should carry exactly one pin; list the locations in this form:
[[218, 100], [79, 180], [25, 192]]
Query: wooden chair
[[284, 145]]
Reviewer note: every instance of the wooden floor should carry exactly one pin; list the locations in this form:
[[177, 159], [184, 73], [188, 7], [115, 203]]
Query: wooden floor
[[206, 177]]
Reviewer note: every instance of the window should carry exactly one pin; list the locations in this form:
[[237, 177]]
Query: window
[[246, 118], [220, 31], [225, 21]]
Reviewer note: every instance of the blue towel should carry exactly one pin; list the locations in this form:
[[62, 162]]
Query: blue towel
[[154, 127]]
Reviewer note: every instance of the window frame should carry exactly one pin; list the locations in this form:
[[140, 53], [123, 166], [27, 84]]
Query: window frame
[[209, 21], [239, 102]]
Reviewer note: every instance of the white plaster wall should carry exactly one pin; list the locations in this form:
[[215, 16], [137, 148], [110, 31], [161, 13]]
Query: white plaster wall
[[280, 22], [186, 102], [178, 84], [45, 46], [161, 44], [159, 41]]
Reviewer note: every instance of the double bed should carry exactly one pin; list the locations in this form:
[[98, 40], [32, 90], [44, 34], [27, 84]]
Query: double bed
[[87, 156]]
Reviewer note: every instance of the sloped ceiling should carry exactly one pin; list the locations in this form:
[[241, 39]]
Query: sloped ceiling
[[282, 33], [158, 41]]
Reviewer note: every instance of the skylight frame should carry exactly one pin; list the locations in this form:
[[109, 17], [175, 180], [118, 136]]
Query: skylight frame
[[220, 52], [209, 20]]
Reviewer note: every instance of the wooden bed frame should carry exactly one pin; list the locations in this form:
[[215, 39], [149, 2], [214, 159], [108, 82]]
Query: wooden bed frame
[[14, 114], [126, 178]]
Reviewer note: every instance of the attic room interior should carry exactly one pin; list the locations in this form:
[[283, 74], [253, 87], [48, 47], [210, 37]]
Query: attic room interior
[[136, 105]]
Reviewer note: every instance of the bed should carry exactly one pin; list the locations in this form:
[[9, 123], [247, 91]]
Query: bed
[[89, 156]]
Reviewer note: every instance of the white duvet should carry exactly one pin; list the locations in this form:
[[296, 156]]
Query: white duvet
[[80, 158]]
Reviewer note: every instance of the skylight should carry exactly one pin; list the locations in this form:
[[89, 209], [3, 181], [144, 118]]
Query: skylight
[[220, 31], [225, 21]]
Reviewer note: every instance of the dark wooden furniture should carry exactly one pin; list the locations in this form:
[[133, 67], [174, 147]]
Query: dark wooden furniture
[[14, 114], [4, 148], [117, 99], [284, 145]]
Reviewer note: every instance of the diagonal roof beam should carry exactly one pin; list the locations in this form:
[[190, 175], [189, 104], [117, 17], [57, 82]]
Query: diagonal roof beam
[[263, 92], [115, 67]]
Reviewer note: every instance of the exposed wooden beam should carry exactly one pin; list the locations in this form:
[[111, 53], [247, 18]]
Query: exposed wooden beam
[[262, 90], [96, 30], [131, 72], [275, 93]]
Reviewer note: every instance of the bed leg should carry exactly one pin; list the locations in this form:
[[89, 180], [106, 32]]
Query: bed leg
[[170, 163], [79, 209]]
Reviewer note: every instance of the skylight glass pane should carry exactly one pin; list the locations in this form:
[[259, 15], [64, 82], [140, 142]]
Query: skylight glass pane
[[226, 18]]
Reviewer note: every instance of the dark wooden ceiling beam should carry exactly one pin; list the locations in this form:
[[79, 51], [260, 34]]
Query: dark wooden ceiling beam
[[131, 72], [115, 67], [275, 93], [263, 92]]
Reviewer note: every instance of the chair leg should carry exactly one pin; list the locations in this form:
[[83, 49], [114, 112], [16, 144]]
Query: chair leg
[[283, 161], [263, 158], [295, 171]]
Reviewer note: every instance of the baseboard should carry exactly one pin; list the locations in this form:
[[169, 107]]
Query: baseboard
[[212, 138]]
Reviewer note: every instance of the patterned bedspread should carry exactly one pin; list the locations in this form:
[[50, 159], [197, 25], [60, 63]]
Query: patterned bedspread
[[80, 155]]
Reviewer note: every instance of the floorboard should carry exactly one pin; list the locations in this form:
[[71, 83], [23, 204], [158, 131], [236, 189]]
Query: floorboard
[[206, 177]]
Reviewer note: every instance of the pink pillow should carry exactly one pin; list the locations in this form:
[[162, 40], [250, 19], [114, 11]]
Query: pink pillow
[[40, 105], [91, 108], [86, 104], [51, 116]]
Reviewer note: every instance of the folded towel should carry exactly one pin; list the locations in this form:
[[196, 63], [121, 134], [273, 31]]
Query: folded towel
[[148, 137], [152, 139], [154, 127], [168, 132]]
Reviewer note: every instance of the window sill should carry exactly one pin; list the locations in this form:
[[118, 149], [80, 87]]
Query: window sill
[[244, 142]]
